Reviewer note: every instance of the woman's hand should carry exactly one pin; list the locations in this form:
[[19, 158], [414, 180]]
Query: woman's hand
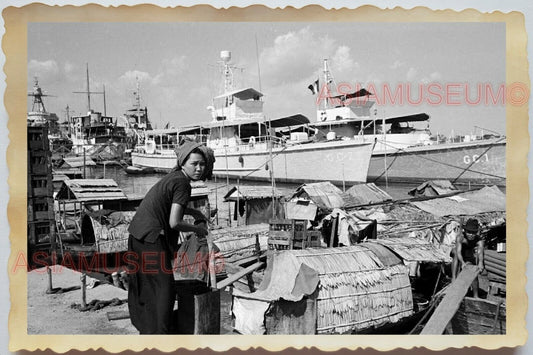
[[195, 214], [201, 231]]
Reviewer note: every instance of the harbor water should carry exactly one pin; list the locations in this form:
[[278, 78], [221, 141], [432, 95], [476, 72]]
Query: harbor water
[[140, 184]]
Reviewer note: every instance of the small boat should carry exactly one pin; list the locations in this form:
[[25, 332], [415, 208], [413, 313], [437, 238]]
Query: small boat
[[139, 170]]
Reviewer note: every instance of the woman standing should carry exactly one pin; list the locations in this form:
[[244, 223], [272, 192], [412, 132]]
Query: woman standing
[[154, 232]]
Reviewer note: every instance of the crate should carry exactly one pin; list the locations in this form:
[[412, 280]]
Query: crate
[[291, 234], [40, 186], [40, 209], [40, 233], [314, 239], [280, 240]]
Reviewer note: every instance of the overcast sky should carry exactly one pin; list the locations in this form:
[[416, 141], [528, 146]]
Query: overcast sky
[[176, 64]]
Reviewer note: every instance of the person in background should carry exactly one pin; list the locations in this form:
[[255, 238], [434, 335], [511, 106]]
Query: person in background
[[469, 249], [153, 238]]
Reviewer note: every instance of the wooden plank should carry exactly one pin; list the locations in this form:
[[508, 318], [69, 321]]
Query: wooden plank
[[232, 278], [211, 262], [451, 301], [116, 315], [248, 259]]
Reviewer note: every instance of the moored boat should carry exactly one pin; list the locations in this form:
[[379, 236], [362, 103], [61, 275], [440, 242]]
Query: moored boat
[[135, 170], [92, 131], [404, 152], [249, 146]]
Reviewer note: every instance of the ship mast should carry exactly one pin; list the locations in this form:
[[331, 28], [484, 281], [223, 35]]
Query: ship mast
[[89, 92], [138, 102], [328, 79]]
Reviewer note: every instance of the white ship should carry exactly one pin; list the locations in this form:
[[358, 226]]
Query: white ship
[[404, 152], [250, 146]]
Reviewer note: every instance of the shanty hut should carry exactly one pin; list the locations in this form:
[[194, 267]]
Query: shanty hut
[[424, 217], [81, 211], [76, 162], [75, 167], [256, 203], [326, 291], [310, 199]]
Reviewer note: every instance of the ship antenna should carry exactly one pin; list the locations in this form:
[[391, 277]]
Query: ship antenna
[[138, 101], [328, 79], [326, 83], [258, 68], [88, 91], [105, 107]]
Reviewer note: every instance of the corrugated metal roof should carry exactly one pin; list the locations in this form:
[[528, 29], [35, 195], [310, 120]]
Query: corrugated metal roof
[[69, 171], [85, 190], [253, 192], [414, 249], [487, 199], [76, 162], [364, 194], [323, 194]]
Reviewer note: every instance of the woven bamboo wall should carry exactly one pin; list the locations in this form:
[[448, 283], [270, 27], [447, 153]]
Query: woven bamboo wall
[[356, 291], [112, 238]]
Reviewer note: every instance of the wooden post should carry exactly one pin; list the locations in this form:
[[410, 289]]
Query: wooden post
[[257, 247], [49, 272], [84, 171], [83, 290], [293, 233], [333, 231]]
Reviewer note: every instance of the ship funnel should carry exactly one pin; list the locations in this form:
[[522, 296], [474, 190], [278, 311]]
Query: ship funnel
[[225, 56]]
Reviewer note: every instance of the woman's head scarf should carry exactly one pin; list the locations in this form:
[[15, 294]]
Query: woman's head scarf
[[184, 150]]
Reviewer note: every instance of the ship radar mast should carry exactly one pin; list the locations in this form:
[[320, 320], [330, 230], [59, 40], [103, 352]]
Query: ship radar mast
[[37, 94], [227, 70], [137, 103]]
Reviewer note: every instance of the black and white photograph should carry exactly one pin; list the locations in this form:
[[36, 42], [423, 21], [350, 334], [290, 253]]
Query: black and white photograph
[[267, 177]]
